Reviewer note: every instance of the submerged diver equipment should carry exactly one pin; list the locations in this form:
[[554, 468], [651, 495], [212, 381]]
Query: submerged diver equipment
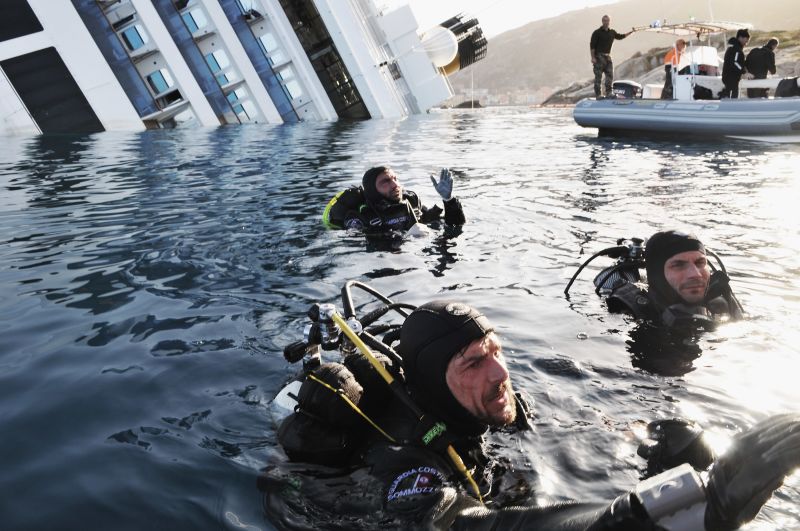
[[630, 258], [311, 437], [672, 442]]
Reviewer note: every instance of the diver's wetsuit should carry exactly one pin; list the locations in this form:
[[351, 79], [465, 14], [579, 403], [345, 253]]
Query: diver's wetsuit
[[406, 486], [385, 215], [422, 489]]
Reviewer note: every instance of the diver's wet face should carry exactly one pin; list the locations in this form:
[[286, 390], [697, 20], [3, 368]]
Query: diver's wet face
[[478, 379], [687, 273], [388, 186]]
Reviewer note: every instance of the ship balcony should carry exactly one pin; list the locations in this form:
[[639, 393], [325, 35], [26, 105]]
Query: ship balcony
[[168, 112], [141, 53], [233, 85]]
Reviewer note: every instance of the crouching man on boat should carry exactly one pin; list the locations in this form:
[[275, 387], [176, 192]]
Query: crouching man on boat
[[430, 468], [382, 205], [681, 290]]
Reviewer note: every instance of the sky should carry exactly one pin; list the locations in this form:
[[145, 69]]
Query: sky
[[495, 16]]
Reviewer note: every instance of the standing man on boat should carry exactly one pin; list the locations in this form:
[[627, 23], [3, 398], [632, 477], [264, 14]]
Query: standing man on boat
[[600, 48], [734, 66], [760, 62], [671, 61]]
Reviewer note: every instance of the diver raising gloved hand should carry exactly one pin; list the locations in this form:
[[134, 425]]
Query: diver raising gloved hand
[[421, 461], [444, 186], [683, 287], [381, 204]]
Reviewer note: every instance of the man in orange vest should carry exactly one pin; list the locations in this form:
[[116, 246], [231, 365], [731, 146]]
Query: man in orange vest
[[671, 61]]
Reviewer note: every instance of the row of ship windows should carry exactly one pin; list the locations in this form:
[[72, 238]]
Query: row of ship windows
[[135, 37]]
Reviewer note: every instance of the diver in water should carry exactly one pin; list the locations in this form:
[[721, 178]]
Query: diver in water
[[682, 291], [455, 372], [381, 205]]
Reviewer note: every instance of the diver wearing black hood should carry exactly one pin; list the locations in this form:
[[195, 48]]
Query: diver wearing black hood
[[457, 375], [681, 289], [383, 205]]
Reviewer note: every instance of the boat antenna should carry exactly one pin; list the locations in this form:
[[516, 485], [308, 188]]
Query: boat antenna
[[710, 11]]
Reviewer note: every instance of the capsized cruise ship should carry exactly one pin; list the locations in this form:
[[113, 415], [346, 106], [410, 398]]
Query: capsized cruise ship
[[95, 65]]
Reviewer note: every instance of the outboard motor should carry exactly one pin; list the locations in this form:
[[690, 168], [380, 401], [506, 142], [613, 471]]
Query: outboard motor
[[627, 90]]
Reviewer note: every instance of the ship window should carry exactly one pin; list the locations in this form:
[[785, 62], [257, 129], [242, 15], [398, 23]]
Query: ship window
[[134, 37], [195, 20], [285, 74], [294, 89], [217, 61], [269, 42], [160, 81]]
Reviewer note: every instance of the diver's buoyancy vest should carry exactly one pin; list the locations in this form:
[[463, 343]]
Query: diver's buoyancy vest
[[349, 200], [325, 429], [631, 298], [393, 216]]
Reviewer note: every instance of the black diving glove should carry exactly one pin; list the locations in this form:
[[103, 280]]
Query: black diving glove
[[743, 479]]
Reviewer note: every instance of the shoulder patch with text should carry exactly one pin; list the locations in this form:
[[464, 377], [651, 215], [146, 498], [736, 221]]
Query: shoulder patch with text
[[419, 480]]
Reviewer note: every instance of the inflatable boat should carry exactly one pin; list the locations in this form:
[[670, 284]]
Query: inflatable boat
[[695, 109]]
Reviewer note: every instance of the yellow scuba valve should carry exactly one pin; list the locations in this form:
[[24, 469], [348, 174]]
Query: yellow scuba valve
[[400, 393]]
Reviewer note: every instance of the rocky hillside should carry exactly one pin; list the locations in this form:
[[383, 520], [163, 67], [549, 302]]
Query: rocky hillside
[[648, 67], [550, 54]]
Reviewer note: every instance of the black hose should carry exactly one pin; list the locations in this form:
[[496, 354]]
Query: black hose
[[380, 346], [606, 252], [376, 314], [347, 298], [719, 260]]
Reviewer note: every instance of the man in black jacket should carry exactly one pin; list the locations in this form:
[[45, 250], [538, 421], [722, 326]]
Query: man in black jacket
[[385, 206], [456, 373], [733, 68], [681, 290], [760, 62], [600, 50]]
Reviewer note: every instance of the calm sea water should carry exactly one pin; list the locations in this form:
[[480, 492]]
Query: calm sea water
[[150, 281]]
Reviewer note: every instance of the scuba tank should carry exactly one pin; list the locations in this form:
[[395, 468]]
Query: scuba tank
[[629, 259]]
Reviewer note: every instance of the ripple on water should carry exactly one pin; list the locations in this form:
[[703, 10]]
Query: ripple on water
[[150, 282]]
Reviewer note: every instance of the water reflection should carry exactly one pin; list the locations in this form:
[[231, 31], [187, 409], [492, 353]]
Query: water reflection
[[153, 280], [663, 351]]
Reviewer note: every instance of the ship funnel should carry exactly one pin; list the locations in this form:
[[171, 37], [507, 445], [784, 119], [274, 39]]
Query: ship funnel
[[441, 45], [472, 44]]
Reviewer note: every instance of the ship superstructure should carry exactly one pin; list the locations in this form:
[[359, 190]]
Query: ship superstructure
[[95, 65]]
